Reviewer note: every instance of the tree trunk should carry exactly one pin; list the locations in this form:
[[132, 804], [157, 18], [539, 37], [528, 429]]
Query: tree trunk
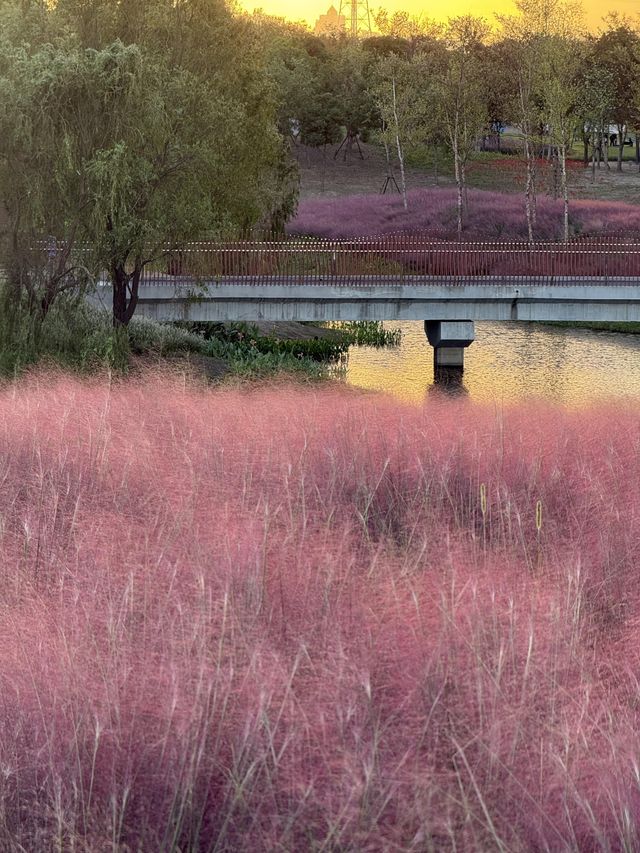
[[557, 178], [324, 165], [562, 152], [465, 188], [593, 159], [620, 147], [403, 182], [119, 280], [529, 190], [125, 293], [459, 179]]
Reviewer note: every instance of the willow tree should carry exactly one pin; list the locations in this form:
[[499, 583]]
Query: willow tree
[[225, 55], [43, 187], [126, 151], [165, 166]]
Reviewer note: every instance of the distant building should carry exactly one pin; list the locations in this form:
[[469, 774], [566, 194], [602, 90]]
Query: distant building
[[330, 24]]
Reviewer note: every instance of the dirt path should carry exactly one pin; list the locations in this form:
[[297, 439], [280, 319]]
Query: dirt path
[[293, 331], [610, 185], [324, 176]]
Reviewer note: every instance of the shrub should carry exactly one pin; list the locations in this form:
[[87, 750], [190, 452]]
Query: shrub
[[149, 336]]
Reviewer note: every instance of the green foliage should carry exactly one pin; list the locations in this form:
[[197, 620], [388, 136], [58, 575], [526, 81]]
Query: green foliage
[[225, 338], [407, 115], [316, 349], [71, 334], [149, 337], [82, 338], [259, 364], [370, 333], [617, 54], [131, 126]]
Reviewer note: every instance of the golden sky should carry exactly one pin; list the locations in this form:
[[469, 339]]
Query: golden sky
[[309, 10]]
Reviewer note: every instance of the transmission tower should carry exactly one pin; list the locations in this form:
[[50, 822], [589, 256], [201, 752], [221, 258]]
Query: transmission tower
[[356, 16]]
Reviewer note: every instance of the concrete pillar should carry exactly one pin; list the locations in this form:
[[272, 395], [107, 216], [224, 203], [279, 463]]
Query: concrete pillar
[[449, 339]]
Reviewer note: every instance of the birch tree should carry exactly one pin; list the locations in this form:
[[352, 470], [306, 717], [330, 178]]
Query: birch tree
[[530, 33], [461, 99], [560, 97], [405, 96], [397, 99]]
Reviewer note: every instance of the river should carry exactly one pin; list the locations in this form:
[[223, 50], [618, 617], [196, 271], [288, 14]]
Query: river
[[506, 363]]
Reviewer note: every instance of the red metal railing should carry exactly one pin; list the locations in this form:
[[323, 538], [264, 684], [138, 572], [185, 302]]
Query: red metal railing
[[335, 262]]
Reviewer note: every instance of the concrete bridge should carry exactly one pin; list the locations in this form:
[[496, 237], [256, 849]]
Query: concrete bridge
[[446, 285]]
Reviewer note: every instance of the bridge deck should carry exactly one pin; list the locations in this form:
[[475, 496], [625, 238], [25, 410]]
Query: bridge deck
[[387, 297]]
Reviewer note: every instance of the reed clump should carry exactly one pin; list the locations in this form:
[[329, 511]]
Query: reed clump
[[304, 619]]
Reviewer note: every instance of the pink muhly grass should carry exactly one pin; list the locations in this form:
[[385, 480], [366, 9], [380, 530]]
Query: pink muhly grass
[[432, 212], [285, 619]]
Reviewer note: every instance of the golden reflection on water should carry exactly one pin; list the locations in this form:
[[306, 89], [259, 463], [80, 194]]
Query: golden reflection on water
[[508, 362]]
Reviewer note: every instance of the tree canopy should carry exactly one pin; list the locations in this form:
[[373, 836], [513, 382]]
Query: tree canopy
[[130, 126], [122, 133]]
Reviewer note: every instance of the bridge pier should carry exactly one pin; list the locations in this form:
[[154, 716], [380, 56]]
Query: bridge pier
[[449, 339]]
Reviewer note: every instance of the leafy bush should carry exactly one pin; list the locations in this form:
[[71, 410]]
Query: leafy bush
[[149, 336], [317, 349], [72, 334], [81, 337]]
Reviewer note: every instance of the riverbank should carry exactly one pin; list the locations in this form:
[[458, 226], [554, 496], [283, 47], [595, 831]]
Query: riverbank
[[81, 338], [297, 617], [620, 328]]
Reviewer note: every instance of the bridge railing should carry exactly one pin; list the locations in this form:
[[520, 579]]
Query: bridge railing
[[399, 257]]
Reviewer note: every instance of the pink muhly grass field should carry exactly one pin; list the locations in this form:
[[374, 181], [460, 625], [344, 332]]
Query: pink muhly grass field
[[432, 212], [308, 619]]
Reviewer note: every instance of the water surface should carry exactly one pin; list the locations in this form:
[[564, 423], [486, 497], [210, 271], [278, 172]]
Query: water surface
[[508, 362]]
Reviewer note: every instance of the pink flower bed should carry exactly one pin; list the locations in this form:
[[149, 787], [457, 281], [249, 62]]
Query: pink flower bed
[[491, 216], [295, 619]]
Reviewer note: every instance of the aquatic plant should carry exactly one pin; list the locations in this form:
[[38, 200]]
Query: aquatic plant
[[372, 333]]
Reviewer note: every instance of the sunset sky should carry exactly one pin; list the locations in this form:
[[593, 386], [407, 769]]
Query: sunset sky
[[309, 10]]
